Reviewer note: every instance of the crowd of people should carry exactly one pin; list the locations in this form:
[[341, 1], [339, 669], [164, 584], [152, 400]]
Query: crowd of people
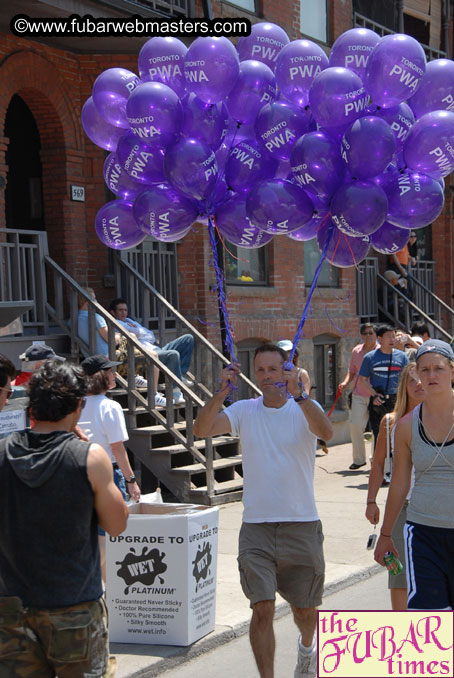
[[64, 481]]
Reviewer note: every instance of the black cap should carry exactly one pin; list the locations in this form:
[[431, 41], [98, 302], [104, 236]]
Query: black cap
[[94, 363], [435, 346], [40, 352]]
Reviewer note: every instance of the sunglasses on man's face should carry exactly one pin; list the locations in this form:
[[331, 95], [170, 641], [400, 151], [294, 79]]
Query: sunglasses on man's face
[[9, 391], [367, 334], [83, 402]]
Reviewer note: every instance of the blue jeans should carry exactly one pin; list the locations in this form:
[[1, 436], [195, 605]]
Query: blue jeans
[[177, 354], [119, 481]]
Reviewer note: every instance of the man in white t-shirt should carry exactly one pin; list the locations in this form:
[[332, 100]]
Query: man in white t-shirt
[[281, 539]]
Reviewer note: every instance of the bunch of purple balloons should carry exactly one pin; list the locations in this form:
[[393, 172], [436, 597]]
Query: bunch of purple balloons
[[273, 138]]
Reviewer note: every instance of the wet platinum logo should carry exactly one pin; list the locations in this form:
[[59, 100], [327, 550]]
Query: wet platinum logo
[[143, 568], [202, 563]]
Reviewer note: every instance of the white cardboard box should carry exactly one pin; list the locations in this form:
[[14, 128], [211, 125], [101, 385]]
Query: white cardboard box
[[161, 575]]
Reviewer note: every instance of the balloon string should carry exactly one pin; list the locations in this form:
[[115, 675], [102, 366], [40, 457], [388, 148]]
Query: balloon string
[[299, 330], [351, 252], [225, 246], [338, 395], [221, 291]]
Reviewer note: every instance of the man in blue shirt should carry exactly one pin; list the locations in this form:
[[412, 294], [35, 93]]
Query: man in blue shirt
[[379, 375], [101, 325]]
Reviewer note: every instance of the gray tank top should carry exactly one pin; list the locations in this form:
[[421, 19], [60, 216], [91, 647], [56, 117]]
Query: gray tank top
[[432, 498]]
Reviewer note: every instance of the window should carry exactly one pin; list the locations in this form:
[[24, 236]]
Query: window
[[329, 275], [313, 19], [246, 350], [249, 5], [325, 367], [246, 267]]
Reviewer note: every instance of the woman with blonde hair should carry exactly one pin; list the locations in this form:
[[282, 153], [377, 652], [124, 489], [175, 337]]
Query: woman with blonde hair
[[425, 441], [409, 394]]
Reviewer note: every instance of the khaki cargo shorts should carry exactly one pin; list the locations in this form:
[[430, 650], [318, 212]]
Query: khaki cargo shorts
[[71, 642], [283, 557]]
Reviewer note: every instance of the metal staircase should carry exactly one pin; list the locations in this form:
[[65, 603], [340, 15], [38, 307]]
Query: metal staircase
[[161, 439]]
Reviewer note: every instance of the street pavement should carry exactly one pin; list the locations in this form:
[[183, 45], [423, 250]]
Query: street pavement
[[341, 501]]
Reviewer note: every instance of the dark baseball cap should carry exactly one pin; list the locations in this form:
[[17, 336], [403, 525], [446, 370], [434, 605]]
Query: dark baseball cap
[[94, 363], [435, 346], [40, 352]]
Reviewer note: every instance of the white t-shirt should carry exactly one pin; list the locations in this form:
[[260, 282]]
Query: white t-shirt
[[278, 461], [103, 421]]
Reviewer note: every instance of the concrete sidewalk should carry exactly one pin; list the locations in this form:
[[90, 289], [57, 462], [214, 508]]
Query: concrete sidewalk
[[341, 500]]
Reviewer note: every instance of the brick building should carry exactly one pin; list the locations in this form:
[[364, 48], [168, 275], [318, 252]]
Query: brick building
[[44, 152]]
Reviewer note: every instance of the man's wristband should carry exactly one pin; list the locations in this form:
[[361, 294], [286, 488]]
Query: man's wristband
[[388, 536], [371, 502], [301, 398], [130, 480]]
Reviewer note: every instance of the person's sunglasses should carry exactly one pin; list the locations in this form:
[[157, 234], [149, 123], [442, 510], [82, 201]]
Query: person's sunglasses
[[367, 334], [9, 391], [83, 402]]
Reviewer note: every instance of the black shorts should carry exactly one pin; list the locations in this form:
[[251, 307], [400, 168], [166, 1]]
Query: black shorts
[[430, 570]]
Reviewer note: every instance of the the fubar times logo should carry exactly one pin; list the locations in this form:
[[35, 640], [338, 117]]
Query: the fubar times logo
[[383, 643]]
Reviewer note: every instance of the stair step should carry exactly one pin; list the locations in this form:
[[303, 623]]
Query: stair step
[[219, 488], [198, 444], [157, 428], [226, 462]]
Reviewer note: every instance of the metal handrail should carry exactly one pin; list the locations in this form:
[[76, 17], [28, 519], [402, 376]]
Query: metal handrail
[[408, 304], [183, 321], [433, 296], [134, 396]]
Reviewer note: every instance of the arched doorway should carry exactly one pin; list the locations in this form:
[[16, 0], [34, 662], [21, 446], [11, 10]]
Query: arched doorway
[[23, 194]]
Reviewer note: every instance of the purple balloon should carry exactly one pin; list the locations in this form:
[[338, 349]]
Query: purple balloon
[[429, 147], [111, 92], [163, 213], [143, 163], [368, 147], [342, 251], [359, 208], [400, 118], [218, 195], [118, 181], [162, 60], [191, 168], [211, 67], [116, 227], [97, 129], [310, 229], [436, 91], [248, 163], [414, 200], [279, 125], [263, 44], [254, 87], [387, 178], [278, 206], [352, 49], [317, 164], [297, 65], [394, 69], [389, 238], [206, 122], [154, 113], [234, 224], [337, 98]]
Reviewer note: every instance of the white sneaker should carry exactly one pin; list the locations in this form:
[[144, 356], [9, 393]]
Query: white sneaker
[[140, 381], [187, 381], [306, 664], [159, 400], [178, 397]]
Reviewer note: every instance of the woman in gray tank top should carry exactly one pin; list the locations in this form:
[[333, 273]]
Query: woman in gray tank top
[[409, 394], [425, 439]]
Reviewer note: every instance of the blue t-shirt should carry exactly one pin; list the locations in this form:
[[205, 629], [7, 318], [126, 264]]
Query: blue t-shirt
[[82, 328], [376, 364]]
